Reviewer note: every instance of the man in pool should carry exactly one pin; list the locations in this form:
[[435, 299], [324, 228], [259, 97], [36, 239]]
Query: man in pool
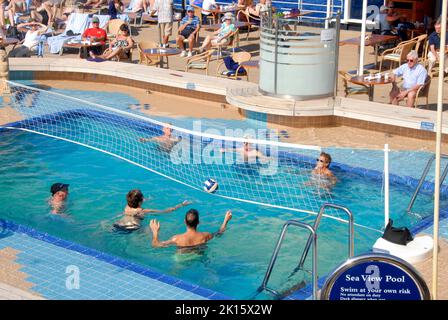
[[166, 141], [134, 213], [248, 153], [321, 174], [59, 194], [191, 237]]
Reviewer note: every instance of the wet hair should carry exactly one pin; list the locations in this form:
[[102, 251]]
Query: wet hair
[[134, 198], [192, 218], [124, 27], [326, 156]]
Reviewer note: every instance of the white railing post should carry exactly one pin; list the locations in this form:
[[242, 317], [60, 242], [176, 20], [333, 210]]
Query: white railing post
[[386, 184], [363, 38]]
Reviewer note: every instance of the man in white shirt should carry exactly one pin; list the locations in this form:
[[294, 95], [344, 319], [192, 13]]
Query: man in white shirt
[[414, 76], [31, 41], [164, 10]]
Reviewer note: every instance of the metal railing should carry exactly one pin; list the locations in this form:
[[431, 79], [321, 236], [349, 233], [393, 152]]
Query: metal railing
[[312, 240], [313, 236], [423, 177]]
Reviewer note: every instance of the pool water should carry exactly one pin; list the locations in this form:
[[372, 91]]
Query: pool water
[[233, 264]]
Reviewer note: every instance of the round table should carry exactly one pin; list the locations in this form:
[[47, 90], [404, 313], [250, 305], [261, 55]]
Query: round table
[[251, 64], [371, 83], [162, 52], [81, 45]]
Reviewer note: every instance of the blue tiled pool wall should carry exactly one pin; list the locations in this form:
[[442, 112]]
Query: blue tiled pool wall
[[6, 226], [291, 158]]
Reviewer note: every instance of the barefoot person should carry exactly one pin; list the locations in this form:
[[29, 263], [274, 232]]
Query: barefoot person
[[119, 47], [191, 237], [134, 213]]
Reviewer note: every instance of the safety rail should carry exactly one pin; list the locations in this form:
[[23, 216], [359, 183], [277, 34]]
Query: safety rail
[[313, 236], [312, 240], [423, 177]]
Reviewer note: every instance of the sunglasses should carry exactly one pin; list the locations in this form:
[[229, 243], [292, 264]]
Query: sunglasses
[[410, 60], [320, 160]]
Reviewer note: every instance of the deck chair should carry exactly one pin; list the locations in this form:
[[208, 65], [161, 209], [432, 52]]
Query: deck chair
[[349, 88], [113, 27], [199, 61], [77, 23], [420, 43], [253, 21], [397, 54], [238, 57], [423, 92], [144, 58], [233, 42]]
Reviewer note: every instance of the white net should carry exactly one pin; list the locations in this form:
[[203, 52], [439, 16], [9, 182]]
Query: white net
[[251, 167]]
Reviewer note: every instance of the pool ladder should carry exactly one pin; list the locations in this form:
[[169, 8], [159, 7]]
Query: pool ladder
[[423, 177], [312, 240]]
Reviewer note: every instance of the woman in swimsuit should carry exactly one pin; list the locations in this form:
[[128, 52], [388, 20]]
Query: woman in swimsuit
[[121, 46]]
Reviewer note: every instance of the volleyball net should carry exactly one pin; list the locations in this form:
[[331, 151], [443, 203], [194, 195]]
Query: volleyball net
[[250, 166]]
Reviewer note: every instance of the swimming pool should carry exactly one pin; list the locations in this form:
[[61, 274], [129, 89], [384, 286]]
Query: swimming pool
[[235, 263]]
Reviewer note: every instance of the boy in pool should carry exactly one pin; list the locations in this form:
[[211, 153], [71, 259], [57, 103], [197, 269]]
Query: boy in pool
[[191, 237], [134, 213], [59, 194]]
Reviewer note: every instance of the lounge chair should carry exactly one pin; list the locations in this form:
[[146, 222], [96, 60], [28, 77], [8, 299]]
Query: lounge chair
[[77, 23]]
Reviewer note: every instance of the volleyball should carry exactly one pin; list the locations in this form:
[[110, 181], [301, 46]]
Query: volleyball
[[210, 186]]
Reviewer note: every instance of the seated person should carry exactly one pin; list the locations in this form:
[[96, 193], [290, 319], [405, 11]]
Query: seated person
[[220, 36], [116, 7], [94, 3], [59, 194], [434, 47], [191, 237], [207, 5], [189, 27], [134, 213], [382, 23], [165, 141], [41, 13], [13, 8], [257, 9], [121, 46], [31, 41], [414, 76], [136, 6], [393, 17], [95, 34]]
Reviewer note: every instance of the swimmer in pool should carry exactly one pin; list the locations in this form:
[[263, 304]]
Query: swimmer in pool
[[166, 141], [59, 194], [191, 237], [134, 213], [248, 153], [321, 174]]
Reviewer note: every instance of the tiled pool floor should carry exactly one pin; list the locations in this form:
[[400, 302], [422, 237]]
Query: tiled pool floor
[[60, 271]]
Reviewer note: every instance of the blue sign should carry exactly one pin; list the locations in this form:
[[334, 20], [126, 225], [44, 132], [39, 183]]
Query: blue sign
[[375, 277], [429, 126]]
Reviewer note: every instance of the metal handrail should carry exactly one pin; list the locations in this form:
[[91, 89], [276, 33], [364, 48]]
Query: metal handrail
[[423, 177], [313, 237], [351, 230]]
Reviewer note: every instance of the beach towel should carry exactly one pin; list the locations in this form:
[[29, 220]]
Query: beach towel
[[76, 24]]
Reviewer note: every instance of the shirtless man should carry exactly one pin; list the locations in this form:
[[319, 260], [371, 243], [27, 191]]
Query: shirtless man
[[165, 141], [191, 237], [248, 153]]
